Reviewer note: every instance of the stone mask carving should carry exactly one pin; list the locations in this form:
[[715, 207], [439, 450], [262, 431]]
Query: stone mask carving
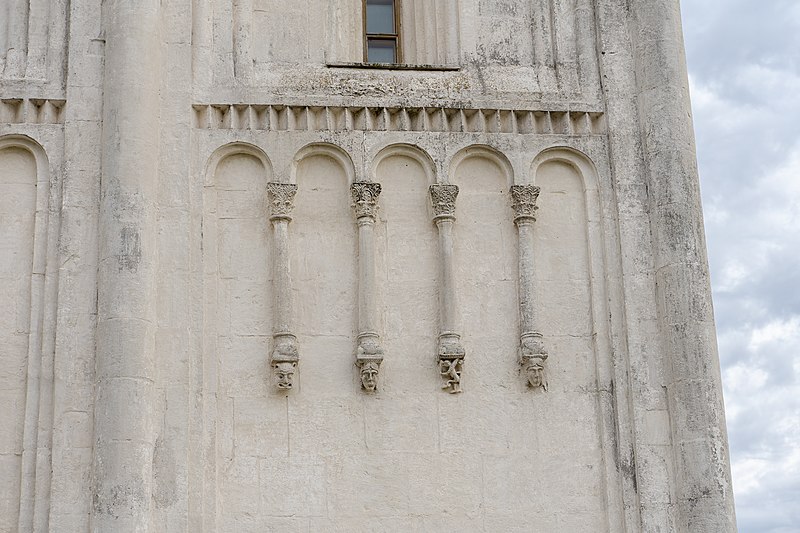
[[369, 375], [534, 372], [284, 375]]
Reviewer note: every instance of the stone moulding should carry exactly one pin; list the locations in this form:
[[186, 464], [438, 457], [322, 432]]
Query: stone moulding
[[532, 354], [32, 111], [285, 352], [369, 353], [272, 117], [450, 353]]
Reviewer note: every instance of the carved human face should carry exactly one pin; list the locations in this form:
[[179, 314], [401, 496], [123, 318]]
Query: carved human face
[[535, 374], [369, 376], [284, 375]]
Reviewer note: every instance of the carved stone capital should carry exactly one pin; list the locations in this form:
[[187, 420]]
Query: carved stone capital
[[532, 358], [524, 202], [281, 200], [284, 360], [443, 200], [451, 361], [365, 198]]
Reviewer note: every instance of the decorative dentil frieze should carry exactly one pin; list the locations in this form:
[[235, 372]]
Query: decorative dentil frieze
[[443, 200], [524, 202], [32, 110], [281, 200], [364, 195], [290, 117]]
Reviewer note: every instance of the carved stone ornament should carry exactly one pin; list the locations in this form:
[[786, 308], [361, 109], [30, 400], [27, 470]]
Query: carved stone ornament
[[369, 374], [451, 362], [365, 198], [281, 199], [284, 360], [532, 358], [368, 359], [443, 200], [524, 202]]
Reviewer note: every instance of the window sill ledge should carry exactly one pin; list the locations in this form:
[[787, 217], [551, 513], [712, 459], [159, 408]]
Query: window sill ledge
[[395, 66]]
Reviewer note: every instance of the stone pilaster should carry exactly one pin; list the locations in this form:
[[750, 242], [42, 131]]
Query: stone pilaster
[[369, 353], [285, 353], [683, 290], [450, 353], [532, 353], [125, 378]]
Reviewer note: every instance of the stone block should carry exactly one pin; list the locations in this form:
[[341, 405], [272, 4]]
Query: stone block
[[337, 421], [239, 481], [476, 423], [244, 369], [260, 426], [367, 484], [250, 307], [243, 249], [327, 366], [446, 488], [293, 487], [403, 423]]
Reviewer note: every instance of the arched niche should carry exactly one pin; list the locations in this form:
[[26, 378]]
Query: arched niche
[[24, 204], [568, 251], [486, 155], [409, 151], [238, 323], [572, 314], [485, 240], [323, 262], [580, 162], [325, 150], [232, 149], [407, 261]]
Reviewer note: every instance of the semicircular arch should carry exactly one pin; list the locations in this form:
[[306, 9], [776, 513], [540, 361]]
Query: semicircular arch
[[236, 148], [485, 152], [35, 149], [404, 150], [578, 160], [332, 151]]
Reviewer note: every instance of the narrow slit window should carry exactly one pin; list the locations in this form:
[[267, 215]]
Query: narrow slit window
[[381, 31]]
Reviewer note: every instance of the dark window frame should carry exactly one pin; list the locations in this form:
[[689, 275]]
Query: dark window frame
[[396, 36]]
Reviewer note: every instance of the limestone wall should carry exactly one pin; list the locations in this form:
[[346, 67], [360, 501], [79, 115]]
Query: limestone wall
[[204, 202]]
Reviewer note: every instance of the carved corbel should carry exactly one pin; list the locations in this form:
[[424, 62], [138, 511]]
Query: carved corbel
[[285, 353], [532, 355], [369, 353], [450, 352]]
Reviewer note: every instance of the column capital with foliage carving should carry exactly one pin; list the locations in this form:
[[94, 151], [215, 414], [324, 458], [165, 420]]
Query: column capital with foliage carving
[[443, 201], [281, 200], [523, 200], [364, 195]]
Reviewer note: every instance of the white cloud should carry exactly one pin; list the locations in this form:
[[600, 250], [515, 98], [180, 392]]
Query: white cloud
[[783, 331]]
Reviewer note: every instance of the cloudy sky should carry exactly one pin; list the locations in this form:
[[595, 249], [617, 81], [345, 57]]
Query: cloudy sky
[[744, 66]]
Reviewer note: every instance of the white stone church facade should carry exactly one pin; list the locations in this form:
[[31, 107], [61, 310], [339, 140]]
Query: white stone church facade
[[353, 265]]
